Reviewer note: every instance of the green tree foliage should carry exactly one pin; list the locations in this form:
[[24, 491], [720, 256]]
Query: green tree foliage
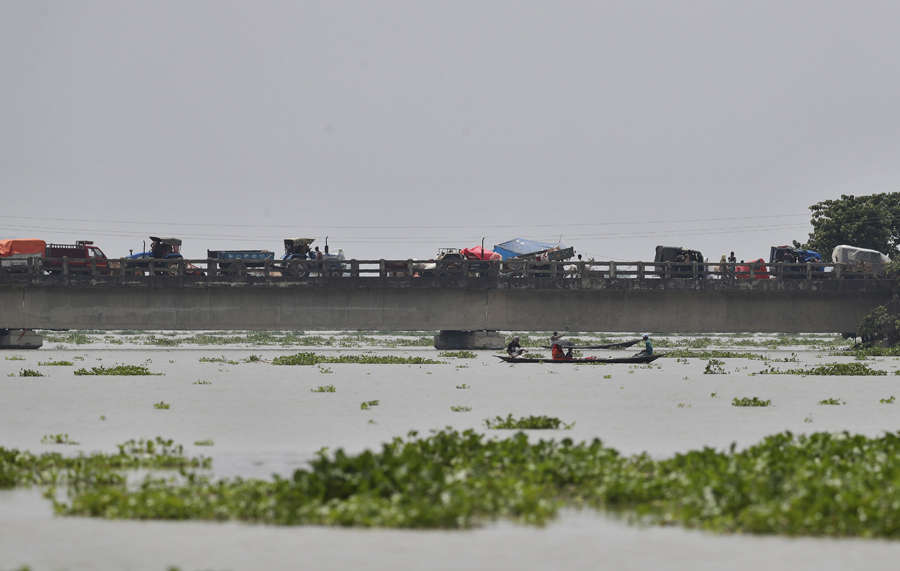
[[871, 221], [881, 326]]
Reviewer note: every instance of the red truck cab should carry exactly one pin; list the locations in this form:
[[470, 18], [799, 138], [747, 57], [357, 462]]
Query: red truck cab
[[80, 254]]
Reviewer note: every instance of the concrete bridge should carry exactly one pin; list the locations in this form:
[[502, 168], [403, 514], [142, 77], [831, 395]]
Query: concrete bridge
[[410, 295]]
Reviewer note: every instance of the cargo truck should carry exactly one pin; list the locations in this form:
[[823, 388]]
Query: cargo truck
[[20, 254]]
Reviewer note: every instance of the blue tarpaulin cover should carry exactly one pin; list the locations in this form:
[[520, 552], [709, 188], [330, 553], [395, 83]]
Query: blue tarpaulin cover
[[521, 247]]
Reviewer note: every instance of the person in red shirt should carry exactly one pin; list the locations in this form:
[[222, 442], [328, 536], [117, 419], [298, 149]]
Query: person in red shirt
[[557, 352]]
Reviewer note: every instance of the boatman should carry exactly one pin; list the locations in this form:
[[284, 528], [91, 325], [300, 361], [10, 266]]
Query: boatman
[[648, 347], [514, 349]]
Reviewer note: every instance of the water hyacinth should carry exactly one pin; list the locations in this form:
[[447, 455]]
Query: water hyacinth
[[839, 369], [315, 359], [527, 422], [784, 484], [118, 370]]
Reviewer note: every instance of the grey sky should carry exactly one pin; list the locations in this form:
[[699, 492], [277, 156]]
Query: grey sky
[[400, 127]]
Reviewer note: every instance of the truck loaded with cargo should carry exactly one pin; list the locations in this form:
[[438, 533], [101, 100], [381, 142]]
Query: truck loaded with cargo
[[21, 254], [80, 256]]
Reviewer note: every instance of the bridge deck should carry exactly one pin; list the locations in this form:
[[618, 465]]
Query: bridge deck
[[401, 295]]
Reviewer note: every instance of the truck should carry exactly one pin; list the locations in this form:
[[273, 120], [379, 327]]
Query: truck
[[246, 258], [80, 256], [19, 254], [792, 255], [681, 262]]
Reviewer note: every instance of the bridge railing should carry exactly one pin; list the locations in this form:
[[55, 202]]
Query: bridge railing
[[512, 273]]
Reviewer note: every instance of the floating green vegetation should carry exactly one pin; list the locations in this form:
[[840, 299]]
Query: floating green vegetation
[[785, 484], [324, 389], [253, 359], [461, 408], [315, 359], [207, 442], [749, 401], [854, 369], [162, 405], [291, 338], [202, 382], [463, 387], [527, 422], [55, 363], [58, 439], [607, 376], [15, 358], [94, 471], [325, 370], [118, 370], [889, 400], [715, 367], [864, 352], [219, 359], [458, 354], [30, 373], [712, 354], [713, 395], [366, 405], [832, 401], [74, 337]]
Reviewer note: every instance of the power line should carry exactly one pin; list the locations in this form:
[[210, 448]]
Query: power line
[[411, 227]]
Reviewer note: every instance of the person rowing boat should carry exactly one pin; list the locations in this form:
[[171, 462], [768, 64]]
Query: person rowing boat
[[514, 348]]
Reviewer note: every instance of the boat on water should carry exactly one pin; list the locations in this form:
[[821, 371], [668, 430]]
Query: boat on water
[[584, 361], [619, 345]]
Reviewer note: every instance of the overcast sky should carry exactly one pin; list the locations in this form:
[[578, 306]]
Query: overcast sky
[[399, 127]]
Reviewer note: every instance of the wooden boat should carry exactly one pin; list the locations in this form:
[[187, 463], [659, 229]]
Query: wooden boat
[[635, 359], [619, 345]]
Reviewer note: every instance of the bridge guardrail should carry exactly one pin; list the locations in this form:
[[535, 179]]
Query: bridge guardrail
[[460, 273]]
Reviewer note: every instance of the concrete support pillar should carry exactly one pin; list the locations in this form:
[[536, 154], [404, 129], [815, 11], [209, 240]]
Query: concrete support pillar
[[20, 339], [480, 339]]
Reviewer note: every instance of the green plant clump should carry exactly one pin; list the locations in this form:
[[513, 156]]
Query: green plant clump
[[162, 405], [207, 442], [58, 439], [749, 401], [55, 363], [219, 359], [889, 400], [30, 373], [460, 408], [527, 422], [838, 369], [15, 358], [458, 354], [715, 367], [366, 405], [94, 471], [118, 370], [463, 387], [832, 401], [324, 389], [785, 484], [315, 359]]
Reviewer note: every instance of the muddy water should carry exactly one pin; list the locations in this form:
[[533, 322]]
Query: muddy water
[[264, 419]]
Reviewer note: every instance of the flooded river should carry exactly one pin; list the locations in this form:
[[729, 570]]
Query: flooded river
[[265, 419]]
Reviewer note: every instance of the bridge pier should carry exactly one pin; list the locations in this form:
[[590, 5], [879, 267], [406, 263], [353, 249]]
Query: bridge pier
[[20, 339], [478, 339]]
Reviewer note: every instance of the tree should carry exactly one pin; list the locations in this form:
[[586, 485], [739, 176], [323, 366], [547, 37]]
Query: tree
[[871, 221]]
